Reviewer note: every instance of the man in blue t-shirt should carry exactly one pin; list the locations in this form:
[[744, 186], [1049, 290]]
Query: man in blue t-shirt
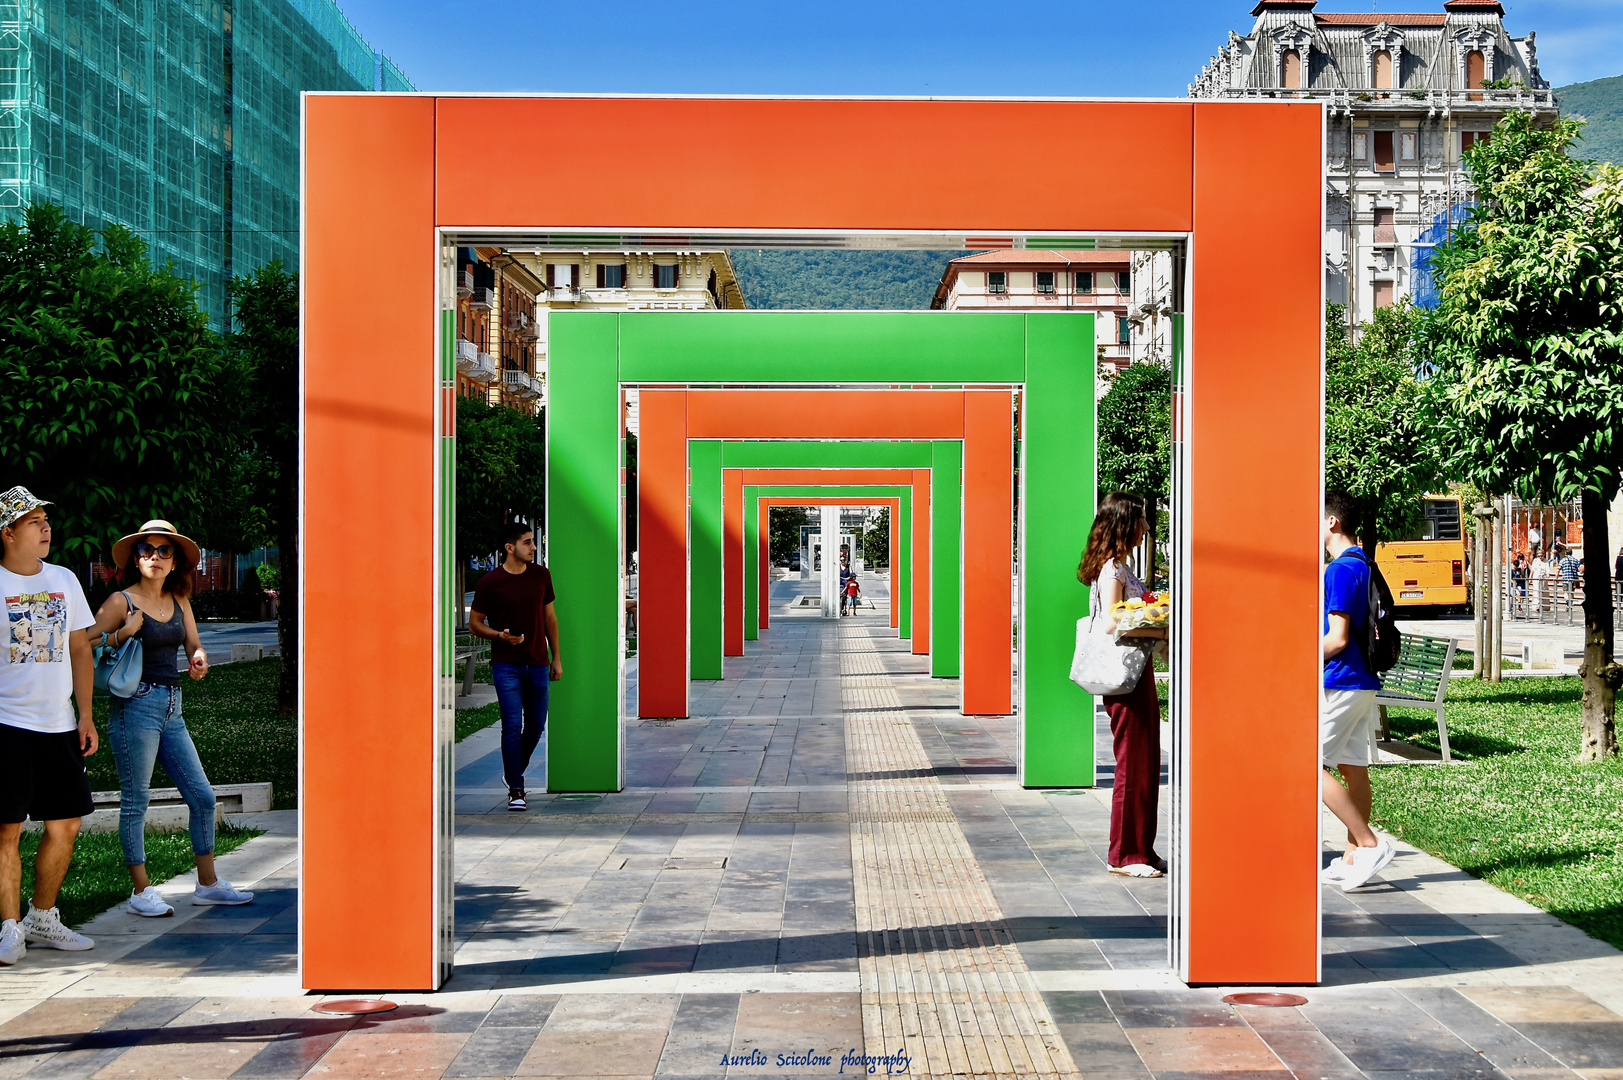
[[1348, 715]]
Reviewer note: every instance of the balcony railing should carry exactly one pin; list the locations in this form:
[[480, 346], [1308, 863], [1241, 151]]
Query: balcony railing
[[482, 299], [464, 284], [467, 356], [563, 294], [485, 370], [1344, 99], [520, 383], [523, 324]]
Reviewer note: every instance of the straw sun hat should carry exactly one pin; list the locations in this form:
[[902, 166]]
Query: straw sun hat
[[155, 527]]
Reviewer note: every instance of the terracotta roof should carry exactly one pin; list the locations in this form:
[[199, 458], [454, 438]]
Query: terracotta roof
[[1029, 256], [1376, 19]]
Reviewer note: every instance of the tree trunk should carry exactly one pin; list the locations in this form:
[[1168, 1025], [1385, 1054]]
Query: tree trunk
[[1600, 672], [287, 623]]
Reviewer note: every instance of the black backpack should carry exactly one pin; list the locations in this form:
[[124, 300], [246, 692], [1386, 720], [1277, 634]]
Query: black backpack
[[1382, 643]]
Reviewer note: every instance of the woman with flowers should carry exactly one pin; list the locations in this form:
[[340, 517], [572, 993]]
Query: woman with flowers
[[1135, 717]]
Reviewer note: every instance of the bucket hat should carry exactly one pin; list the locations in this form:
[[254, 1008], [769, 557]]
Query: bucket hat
[[16, 502], [155, 527]]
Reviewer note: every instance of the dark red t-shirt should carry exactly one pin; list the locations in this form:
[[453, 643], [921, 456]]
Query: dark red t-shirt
[[513, 602]]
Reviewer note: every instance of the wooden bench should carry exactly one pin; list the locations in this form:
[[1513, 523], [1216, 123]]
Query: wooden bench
[[1420, 679], [470, 652]]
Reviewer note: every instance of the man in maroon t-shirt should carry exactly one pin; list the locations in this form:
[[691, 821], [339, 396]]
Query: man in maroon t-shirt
[[512, 607]]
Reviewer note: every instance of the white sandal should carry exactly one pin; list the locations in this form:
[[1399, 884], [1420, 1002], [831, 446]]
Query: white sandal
[[1139, 870]]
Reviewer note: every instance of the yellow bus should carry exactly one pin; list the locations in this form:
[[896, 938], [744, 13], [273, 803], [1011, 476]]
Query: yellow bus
[[1429, 570]]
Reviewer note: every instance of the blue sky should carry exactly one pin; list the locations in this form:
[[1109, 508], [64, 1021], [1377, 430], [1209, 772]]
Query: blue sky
[[1126, 48]]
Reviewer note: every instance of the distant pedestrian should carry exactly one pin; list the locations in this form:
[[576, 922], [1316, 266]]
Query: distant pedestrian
[[512, 608], [1539, 576], [46, 668], [1135, 717], [1348, 715], [148, 727], [1571, 568], [853, 592], [1617, 567]]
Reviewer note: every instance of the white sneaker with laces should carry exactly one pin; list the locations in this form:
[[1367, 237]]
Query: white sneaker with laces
[[1332, 874], [45, 929], [222, 892], [1367, 862], [12, 945], [149, 903]]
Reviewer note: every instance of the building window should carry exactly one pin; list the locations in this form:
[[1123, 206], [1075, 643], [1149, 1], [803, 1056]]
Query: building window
[[1290, 70], [1383, 70], [665, 275], [1469, 139], [561, 275], [1383, 151], [1476, 69], [1384, 232], [997, 281], [1360, 146], [1124, 332], [1383, 294], [1409, 145], [1084, 282], [1045, 281], [611, 276], [1124, 282]]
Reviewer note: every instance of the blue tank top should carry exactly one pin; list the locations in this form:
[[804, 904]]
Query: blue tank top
[[159, 641]]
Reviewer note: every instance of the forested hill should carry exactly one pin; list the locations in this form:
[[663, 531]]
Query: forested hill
[[840, 280], [1599, 101]]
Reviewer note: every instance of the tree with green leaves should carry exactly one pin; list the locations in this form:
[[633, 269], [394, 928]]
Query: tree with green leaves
[[1135, 436], [1378, 446], [876, 541], [261, 498], [112, 382], [501, 476], [783, 529], [1527, 348]]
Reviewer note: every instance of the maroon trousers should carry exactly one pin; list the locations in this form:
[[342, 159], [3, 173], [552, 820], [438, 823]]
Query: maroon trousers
[[1135, 726]]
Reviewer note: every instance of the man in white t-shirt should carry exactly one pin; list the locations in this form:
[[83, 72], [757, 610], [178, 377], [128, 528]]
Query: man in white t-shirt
[[44, 661]]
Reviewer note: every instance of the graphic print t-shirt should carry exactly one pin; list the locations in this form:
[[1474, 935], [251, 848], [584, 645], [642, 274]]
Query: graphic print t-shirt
[[36, 677]]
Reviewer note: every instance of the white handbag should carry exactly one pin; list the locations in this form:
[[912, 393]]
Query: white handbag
[[1100, 665]]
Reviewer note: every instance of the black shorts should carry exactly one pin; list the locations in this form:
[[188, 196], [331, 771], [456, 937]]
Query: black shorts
[[42, 776]]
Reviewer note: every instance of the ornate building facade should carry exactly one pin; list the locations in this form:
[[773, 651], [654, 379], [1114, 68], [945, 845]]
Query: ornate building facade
[[1407, 95]]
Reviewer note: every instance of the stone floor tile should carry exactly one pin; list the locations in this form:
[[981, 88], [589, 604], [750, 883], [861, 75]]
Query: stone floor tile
[[384, 1053], [618, 1053], [1223, 1049]]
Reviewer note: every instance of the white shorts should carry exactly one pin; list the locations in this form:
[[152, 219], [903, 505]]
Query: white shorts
[[1348, 722]]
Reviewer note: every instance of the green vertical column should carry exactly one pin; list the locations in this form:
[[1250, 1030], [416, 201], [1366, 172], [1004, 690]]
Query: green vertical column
[[904, 562], [946, 556], [704, 559], [584, 449], [752, 568], [1057, 501]]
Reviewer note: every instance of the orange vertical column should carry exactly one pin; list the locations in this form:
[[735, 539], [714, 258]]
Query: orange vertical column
[[921, 562], [988, 551], [368, 700], [1252, 774], [662, 558], [732, 562]]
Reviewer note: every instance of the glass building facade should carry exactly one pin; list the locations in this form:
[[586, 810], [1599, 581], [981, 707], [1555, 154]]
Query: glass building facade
[[177, 118]]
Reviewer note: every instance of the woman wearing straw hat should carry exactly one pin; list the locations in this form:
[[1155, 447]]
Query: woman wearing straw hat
[[148, 727]]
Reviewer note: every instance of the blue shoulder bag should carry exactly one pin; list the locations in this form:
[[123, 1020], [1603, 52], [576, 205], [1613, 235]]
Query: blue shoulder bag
[[118, 670]]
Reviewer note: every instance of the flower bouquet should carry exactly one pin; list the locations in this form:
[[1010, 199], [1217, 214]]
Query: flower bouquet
[[1152, 611]]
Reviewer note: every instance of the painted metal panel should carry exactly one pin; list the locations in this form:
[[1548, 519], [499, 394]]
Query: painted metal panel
[[988, 631], [946, 549], [803, 453], [662, 551], [704, 558]]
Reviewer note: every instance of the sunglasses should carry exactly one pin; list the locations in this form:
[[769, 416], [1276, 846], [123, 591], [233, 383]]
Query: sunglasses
[[146, 551]]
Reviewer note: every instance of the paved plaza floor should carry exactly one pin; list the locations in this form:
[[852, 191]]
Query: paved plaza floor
[[826, 859]]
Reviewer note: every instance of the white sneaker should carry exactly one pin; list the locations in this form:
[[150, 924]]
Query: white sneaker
[[12, 945], [44, 928], [1367, 862], [147, 902], [221, 892], [1332, 874]]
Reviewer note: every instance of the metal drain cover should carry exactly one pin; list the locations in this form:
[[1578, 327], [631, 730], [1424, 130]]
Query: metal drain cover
[[355, 1006], [1265, 999]]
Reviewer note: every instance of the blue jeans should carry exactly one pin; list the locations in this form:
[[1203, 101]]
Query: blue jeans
[[147, 728], [521, 691]]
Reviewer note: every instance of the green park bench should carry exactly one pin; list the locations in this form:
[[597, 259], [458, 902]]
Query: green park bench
[[1420, 679]]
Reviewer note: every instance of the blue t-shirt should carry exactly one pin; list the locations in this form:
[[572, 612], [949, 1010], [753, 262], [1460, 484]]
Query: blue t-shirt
[[1346, 590]]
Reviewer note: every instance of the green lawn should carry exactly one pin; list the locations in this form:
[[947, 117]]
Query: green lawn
[[97, 879], [469, 721], [232, 718], [1516, 809]]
